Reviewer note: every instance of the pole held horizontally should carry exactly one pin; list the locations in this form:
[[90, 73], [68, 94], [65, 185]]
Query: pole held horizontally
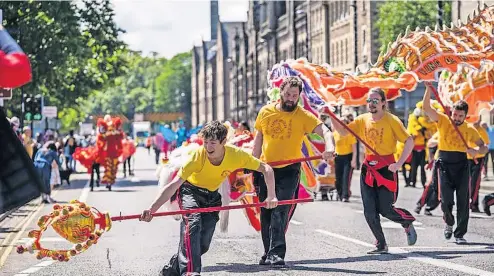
[[213, 209]]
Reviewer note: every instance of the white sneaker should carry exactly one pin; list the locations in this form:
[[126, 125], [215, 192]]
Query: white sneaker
[[461, 241]]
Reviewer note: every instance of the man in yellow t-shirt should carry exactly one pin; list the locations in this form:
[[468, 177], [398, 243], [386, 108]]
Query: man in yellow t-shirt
[[381, 130], [281, 128], [197, 183], [344, 162], [475, 167], [430, 196], [452, 161]]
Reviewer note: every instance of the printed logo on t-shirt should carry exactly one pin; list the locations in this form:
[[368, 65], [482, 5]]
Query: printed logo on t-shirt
[[225, 173], [279, 129]]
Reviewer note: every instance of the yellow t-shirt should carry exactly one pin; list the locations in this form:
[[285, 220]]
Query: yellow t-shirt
[[199, 171], [343, 144], [381, 135], [484, 136], [284, 132], [448, 137]]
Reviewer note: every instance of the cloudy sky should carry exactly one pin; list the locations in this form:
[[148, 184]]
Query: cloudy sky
[[171, 26]]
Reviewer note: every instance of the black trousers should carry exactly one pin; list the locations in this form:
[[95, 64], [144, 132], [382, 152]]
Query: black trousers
[[94, 170], [379, 200], [126, 165], [418, 160], [343, 171], [157, 155], [453, 177], [430, 195], [196, 230], [489, 199], [475, 171], [274, 222]]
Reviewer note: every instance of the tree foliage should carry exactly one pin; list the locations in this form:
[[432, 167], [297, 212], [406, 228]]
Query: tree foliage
[[151, 84], [81, 66], [73, 48], [395, 16]]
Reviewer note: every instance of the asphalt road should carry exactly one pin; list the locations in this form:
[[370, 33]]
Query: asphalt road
[[324, 238]]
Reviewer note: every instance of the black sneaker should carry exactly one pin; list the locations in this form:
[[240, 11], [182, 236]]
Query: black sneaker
[[324, 197], [379, 250], [262, 261], [346, 200], [427, 212], [448, 232], [486, 207], [475, 210], [418, 209], [411, 234], [275, 260]]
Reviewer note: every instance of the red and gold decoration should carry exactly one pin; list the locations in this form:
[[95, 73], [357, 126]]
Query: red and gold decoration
[[76, 222], [475, 86], [83, 226]]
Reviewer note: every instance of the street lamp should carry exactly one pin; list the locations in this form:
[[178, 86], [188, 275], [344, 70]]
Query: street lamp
[[355, 59], [237, 57]]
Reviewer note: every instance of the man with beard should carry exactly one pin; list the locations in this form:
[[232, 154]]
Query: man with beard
[[379, 180], [281, 129], [453, 165]]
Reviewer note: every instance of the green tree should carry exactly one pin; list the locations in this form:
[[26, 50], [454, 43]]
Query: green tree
[[396, 16], [73, 49]]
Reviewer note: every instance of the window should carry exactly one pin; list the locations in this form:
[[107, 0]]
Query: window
[[337, 53], [346, 50]]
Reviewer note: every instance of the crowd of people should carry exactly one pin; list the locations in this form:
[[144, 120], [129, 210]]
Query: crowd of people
[[279, 131]]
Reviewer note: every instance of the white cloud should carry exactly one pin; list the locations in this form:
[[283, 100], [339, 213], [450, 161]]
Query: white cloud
[[169, 27]]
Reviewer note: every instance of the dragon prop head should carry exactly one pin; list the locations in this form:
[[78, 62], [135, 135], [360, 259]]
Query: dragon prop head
[[76, 222], [102, 126], [421, 54], [475, 86]]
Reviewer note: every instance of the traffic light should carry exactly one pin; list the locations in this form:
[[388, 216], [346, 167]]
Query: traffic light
[[33, 108], [28, 107], [37, 108]]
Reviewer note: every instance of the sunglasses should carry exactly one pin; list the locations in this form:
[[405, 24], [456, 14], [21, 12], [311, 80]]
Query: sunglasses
[[374, 101]]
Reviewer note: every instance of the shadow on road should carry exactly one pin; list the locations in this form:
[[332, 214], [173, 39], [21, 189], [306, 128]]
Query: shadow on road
[[299, 265], [447, 255]]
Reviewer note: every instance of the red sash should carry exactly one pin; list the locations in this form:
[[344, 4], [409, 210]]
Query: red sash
[[374, 163]]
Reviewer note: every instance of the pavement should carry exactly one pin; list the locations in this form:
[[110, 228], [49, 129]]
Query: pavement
[[324, 238]]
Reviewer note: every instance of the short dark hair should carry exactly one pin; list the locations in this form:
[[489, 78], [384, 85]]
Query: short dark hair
[[214, 130], [292, 82], [380, 92], [461, 105]]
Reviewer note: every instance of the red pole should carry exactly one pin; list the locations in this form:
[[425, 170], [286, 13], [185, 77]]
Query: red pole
[[213, 209]]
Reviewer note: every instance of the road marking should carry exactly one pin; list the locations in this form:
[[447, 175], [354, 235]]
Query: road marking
[[31, 270], [84, 193], [394, 225], [295, 222], [448, 247], [19, 234], [48, 239], [414, 256]]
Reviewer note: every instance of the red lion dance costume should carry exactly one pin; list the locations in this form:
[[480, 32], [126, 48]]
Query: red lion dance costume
[[109, 144]]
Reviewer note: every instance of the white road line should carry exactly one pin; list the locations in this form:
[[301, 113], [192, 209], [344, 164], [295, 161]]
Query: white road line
[[45, 263], [85, 193], [394, 225], [48, 239], [414, 256], [295, 222], [31, 270]]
